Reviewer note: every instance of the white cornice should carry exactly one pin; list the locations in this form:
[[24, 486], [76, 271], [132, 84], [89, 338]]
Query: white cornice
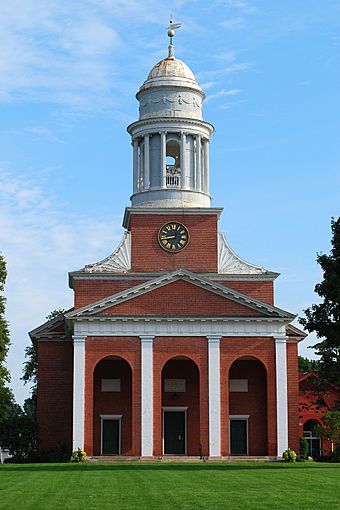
[[132, 326], [169, 211]]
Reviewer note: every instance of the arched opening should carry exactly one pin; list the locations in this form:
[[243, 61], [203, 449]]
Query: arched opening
[[173, 171], [313, 438], [248, 407], [112, 407], [181, 407]]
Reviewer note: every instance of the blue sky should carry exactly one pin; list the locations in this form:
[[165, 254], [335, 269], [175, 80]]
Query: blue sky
[[68, 74]]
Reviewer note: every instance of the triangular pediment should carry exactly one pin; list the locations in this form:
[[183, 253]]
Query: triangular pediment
[[186, 293]]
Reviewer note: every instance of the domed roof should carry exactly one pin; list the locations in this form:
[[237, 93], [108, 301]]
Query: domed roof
[[171, 67], [171, 72]]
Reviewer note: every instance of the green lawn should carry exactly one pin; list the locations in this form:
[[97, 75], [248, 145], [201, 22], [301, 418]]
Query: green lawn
[[212, 486]]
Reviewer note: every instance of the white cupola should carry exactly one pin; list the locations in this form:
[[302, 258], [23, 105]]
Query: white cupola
[[170, 140]]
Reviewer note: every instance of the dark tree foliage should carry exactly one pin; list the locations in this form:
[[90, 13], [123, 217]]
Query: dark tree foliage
[[324, 318], [308, 365], [30, 370], [6, 396]]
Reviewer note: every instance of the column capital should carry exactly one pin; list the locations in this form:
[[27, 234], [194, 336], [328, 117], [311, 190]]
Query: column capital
[[79, 339], [214, 339], [280, 339], [146, 338]]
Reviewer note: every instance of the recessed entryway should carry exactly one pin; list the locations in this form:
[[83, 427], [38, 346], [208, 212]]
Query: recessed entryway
[[174, 431], [239, 435], [110, 434]]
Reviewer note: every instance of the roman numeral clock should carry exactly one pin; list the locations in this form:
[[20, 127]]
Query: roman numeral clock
[[173, 237]]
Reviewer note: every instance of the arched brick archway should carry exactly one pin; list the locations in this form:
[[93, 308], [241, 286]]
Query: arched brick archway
[[112, 406], [98, 349], [195, 350], [261, 349], [181, 407], [248, 407]]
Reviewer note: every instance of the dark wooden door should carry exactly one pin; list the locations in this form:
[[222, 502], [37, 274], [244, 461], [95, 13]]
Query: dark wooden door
[[238, 437], [174, 432], [110, 437]]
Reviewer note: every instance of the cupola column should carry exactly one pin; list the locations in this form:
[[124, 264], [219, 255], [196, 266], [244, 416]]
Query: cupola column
[[198, 176], [184, 177], [163, 159], [206, 166], [146, 162], [135, 166]]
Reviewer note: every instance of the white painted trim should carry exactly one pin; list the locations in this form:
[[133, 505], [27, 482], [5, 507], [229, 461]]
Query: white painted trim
[[281, 394], [147, 395], [78, 391], [175, 408], [170, 326], [240, 417], [111, 417], [184, 409], [214, 396]]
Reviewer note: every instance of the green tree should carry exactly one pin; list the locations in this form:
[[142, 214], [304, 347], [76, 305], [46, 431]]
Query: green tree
[[324, 318], [308, 365], [6, 396], [30, 370]]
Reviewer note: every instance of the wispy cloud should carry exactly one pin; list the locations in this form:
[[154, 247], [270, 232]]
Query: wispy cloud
[[40, 241], [223, 92], [43, 132], [231, 104], [233, 23]]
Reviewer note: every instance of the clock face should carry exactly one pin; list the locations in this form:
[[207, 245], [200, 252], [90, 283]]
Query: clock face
[[173, 237]]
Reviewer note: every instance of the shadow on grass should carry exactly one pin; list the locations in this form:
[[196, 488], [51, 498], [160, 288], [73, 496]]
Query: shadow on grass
[[119, 466]]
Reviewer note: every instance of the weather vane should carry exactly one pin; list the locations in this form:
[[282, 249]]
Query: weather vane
[[171, 29]]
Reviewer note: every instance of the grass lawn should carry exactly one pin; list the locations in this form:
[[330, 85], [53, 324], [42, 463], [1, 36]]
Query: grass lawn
[[193, 486]]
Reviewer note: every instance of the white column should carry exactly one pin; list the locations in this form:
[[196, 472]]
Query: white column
[[78, 391], [163, 159], [281, 395], [135, 165], [184, 177], [198, 164], [147, 395], [214, 396], [146, 162], [206, 166]]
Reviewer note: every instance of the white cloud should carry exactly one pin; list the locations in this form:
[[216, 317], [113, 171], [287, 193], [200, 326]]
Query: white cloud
[[223, 93], [42, 132], [40, 242], [233, 23]]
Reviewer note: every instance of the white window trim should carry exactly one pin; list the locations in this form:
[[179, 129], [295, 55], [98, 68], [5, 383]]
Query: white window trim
[[110, 417], [174, 409], [241, 417]]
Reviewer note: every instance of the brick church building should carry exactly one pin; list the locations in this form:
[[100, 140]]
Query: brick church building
[[174, 345]]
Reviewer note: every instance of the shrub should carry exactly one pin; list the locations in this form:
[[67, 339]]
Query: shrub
[[78, 455], [289, 455], [303, 448]]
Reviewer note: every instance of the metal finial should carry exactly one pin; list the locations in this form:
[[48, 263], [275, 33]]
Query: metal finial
[[172, 27]]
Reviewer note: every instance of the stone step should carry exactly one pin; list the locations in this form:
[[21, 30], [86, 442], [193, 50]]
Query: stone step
[[181, 458]]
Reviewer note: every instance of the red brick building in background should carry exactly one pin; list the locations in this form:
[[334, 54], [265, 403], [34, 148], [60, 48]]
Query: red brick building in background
[[174, 345], [312, 412]]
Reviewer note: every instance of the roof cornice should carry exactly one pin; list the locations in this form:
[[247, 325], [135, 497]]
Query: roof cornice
[[162, 211]]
